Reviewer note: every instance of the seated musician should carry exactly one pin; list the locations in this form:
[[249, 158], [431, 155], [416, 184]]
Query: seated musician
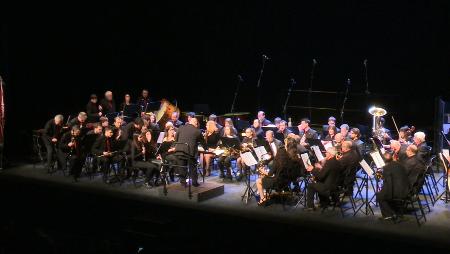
[[228, 123], [282, 129], [174, 119], [423, 151], [305, 132], [413, 166], [106, 149], [405, 135], [272, 145], [92, 110], [331, 133], [142, 155], [287, 167], [104, 121], [345, 132], [248, 143], [108, 105], [212, 138], [337, 143], [326, 176], [325, 128], [357, 144], [213, 118], [398, 151], [258, 130], [386, 138], [349, 160], [152, 124], [395, 186], [169, 139], [132, 128], [262, 119], [230, 143], [89, 140], [277, 121], [70, 152], [51, 136]]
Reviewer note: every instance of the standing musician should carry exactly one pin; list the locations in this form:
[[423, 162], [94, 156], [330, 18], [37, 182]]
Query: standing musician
[[326, 177], [212, 138], [142, 155], [108, 105], [126, 102], [357, 144], [258, 130], [262, 119], [51, 137], [70, 152], [107, 150], [230, 143], [118, 128], [174, 119], [305, 132], [287, 167], [183, 155], [144, 101], [92, 109]]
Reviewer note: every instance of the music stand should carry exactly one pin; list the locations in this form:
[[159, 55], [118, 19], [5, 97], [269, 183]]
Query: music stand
[[249, 160], [316, 142], [365, 184]]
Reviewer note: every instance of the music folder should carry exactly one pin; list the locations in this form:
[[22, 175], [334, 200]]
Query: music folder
[[260, 151], [366, 168], [305, 159], [318, 153], [160, 137], [379, 162]]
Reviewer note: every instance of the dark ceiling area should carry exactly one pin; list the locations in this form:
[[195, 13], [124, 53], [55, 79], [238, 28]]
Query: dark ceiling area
[[53, 57]]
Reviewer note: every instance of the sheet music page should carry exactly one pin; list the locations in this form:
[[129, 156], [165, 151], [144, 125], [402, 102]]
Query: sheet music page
[[318, 153], [248, 159], [366, 168], [306, 160], [218, 152], [377, 159], [200, 149], [260, 152], [160, 138], [445, 152]]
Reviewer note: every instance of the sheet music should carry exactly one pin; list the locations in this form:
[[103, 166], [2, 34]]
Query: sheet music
[[248, 159], [379, 162], [366, 168], [218, 152], [328, 145], [318, 153], [306, 160], [445, 152], [160, 137], [260, 152], [200, 149]]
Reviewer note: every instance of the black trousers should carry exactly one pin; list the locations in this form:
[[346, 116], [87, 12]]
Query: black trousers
[[151, 169], [50, 147], [179, 163], [388, 207], [73, 162], [322, 191], [225, 164], [106, 162]]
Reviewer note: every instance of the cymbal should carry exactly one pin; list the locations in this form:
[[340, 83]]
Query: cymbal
[[237, 114], [185, 113]]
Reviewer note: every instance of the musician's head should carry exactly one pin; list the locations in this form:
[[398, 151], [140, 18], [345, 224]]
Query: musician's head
[[269, 136], [152, 118], [355, 134], [344, 130], [256, 123], [282, 126], [108, 132], [169, 131], [227, 131], [228, 122], [174, 117], [109, 95], [58, 119], [395, 145], [338, 137], [75, 131], [261, 116], [346, 146], [144, 93], [411, 151], [330, 153], [277, 121], [291, 147], [93, 98], [304, 124], [138, 123], [98, 128], [127, 98], [332, 130], [104, 121], [118, 121], [148, 136], [250, 133], [419, 137], [211, 126], [404, 132], [331, 121], [190, 115], [82, 116]]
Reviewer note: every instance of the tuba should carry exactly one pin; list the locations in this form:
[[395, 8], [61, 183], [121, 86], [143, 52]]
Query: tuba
[[377, 128], [165, 112]]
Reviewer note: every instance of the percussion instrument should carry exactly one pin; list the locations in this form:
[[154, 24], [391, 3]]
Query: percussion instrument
[[165, 112], [234, 116]]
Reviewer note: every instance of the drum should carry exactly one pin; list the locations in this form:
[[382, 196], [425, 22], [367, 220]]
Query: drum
[[165, 112]]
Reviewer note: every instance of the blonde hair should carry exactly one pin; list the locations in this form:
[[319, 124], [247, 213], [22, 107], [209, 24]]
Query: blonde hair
[[211, 126]]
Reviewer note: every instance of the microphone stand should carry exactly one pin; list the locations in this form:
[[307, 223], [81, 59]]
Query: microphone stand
[[240, 80], [367, 77], [345, 100], [258, 85], [292, 83], [310, 87]]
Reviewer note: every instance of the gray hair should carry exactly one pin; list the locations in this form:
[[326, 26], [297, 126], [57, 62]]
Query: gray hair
[[59, 117]]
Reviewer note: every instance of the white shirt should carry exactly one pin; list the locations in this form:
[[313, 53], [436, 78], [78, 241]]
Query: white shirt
[[274, 148]]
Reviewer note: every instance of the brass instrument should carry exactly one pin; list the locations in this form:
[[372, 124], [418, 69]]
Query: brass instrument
[[377, 129], [230, 151]]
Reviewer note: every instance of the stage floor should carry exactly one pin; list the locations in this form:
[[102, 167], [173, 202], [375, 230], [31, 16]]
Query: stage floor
[[434, 231]]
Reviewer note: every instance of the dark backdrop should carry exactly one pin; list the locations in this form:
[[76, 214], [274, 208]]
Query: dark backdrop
[[53, 57]]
